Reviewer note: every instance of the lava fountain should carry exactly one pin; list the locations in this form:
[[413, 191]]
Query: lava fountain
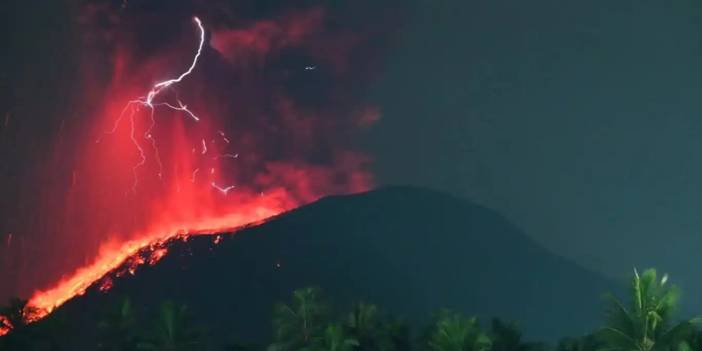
[[215, 147]]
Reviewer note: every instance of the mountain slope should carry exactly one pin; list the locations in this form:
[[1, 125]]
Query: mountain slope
[[409, 250]]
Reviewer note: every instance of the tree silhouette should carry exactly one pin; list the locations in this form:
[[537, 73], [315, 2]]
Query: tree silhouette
[[296, 325], [172, 331], [399, 333], [118, 328], [374, 332], [646, 325], [334, 338], [454, 332], [506, 336]]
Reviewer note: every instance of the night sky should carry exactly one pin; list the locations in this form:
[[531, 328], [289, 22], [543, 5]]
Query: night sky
[[578, 120]]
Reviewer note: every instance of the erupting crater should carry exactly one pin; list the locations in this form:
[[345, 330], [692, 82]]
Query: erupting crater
[[189, 157]]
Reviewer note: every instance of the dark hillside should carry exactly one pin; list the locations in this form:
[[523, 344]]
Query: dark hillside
[[409, 250]]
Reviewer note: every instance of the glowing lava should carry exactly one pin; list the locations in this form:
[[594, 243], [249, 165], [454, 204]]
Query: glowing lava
[[162, 171], [5, 325], [249, 209], [114, 255], [246, 209]]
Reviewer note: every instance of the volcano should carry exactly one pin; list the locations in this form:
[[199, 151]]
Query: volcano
[[407, 249]]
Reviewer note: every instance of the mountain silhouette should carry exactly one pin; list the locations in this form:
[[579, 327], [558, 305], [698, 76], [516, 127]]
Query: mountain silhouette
[[410, 250]]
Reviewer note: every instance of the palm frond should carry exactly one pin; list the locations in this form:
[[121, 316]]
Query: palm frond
[[617, 339]]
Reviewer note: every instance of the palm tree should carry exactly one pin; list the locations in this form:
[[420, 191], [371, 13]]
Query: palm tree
[[363, 321], [367, 326], [172, 331], [118, 328], [506, 336], [694, 342], [374, 332], [454, 332], [332, 339], [399, 333], [296, 325], [646, 325]]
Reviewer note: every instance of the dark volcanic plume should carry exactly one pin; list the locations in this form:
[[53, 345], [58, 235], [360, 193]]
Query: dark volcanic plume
[[263, 122]]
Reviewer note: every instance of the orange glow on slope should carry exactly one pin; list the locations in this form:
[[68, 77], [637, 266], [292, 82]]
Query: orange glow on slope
[[113, 255], [5, 326], [205, 152]]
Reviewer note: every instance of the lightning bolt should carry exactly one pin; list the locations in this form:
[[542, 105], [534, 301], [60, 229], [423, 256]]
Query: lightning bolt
[[132, 107], [223, 190], [165, 84]]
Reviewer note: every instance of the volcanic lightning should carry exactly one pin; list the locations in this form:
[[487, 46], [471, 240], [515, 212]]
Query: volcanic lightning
[[152, 180], [46, 301], [147, 101]]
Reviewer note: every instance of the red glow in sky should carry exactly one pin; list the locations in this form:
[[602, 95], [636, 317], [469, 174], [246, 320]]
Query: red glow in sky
[[220, 145]]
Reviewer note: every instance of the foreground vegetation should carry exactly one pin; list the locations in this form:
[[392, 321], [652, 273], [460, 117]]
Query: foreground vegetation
[[644, 321]]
